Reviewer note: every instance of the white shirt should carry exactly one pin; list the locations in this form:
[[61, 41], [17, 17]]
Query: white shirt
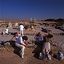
[[21, 27], [47, 46], [19, 40], [6, 31]]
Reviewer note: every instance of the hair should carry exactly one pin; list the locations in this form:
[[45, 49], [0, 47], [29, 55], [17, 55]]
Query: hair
[[38, 34], [49, 35], [47, 40], [17, 33], [7, 26], [21, 24], [25, 38]]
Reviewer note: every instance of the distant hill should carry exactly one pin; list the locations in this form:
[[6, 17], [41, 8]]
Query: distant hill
[[50, 20], [56, 20]]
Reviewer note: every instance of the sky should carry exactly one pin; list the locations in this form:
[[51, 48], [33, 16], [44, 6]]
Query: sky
[[39, 9]]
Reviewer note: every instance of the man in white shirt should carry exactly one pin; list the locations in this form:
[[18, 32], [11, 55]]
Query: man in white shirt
[[6, 31], [21, 29]]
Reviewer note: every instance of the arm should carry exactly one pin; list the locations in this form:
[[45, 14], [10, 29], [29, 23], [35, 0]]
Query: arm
[[22, 42], [12, 37]]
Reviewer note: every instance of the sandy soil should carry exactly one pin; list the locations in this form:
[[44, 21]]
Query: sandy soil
[[7, 55]]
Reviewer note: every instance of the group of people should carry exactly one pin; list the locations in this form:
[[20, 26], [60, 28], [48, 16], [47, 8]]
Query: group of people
[[44, 44], [45, 47], [21, 41], [6, 31]]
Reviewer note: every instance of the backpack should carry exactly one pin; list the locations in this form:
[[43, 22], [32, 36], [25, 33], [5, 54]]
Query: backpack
[[25, 38], [60, 55], [41, 56]]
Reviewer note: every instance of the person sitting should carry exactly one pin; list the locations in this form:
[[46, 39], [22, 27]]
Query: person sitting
[[6, 31], [20, 43], [39, 40]]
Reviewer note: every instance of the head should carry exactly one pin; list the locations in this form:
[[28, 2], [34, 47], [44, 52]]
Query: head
[[47, 39], [17, 34], [7, 26], [38, 34], [20, 24]]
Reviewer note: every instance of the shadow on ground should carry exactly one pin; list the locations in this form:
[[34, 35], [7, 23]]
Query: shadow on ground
[[16, 49]]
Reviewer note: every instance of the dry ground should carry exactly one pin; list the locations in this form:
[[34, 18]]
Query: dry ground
[[7, 55]]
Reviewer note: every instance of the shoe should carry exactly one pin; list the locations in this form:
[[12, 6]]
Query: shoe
[[22, 57]]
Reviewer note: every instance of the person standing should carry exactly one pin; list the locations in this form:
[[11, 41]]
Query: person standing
[[47, 49], [21, 29]]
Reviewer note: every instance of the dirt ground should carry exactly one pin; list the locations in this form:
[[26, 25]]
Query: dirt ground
[[7, 55]]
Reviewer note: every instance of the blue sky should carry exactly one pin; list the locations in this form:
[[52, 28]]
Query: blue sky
[[32, 9]]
